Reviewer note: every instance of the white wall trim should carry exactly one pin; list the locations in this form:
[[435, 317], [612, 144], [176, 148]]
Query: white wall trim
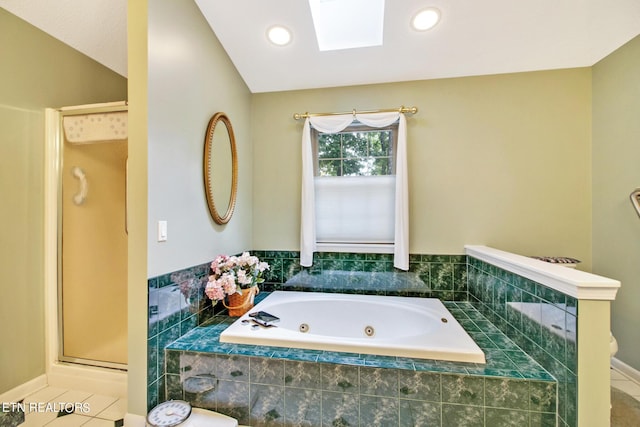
[[88, 378], [132, 420], [23, 390], [576, 283], [625, 369]]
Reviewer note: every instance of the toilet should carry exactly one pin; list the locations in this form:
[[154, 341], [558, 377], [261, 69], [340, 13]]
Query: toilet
[[572, 263], [613, 345], [179, 413]]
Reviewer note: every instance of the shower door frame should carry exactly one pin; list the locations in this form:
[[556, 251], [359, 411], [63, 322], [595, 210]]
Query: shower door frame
[[53, 233]]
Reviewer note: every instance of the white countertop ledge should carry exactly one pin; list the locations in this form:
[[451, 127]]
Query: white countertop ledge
[[576, 283]]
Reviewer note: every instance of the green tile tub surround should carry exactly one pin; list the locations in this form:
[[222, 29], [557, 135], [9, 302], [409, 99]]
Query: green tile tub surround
[[177, 304], [262, 385], [540, 320], [437, 276], [11, 414], [442, 276]]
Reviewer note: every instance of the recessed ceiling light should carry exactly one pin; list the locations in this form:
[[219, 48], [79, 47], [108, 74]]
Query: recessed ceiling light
[[425, 19], [279, 35]]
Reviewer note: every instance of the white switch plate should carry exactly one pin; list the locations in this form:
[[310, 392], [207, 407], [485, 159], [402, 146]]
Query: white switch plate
[[162, 231]]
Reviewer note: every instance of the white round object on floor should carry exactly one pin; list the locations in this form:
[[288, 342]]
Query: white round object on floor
[[178, 413]]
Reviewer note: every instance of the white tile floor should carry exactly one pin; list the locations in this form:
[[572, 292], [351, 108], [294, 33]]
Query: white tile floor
[[94, 410], [104, 411]]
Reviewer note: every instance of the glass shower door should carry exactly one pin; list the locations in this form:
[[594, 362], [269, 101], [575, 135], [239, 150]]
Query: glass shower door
[[93, 253]]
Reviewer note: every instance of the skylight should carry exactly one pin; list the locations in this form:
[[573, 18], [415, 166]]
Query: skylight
[[347, 24]]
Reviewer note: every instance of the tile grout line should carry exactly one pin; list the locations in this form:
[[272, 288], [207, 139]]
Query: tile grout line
[[87, 418]]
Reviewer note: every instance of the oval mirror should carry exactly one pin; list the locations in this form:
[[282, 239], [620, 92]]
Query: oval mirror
[[220, 168]]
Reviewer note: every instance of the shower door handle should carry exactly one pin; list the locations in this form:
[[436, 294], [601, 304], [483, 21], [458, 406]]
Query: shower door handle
[[81, 195]]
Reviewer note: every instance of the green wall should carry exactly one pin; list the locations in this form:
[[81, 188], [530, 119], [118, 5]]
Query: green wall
[[180, 76], [500, 160], [191, 78], [616, 172], [36, 72]]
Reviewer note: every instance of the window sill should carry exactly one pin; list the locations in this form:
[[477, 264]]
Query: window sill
[[370, 248]]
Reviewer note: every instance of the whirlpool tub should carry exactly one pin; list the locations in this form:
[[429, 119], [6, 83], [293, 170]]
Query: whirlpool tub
[[369, 324]]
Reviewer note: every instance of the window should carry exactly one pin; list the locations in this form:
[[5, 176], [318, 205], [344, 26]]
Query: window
[[357, 206], [355, 185], [358, 151]]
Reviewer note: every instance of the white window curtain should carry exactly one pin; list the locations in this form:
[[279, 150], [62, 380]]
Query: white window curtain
[[355, 209], [334, 124]]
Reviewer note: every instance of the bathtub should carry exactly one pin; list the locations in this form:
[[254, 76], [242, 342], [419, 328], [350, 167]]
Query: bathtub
[[367, 324]]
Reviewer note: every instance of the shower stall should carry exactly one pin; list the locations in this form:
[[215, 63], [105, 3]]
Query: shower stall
[[86, 236]]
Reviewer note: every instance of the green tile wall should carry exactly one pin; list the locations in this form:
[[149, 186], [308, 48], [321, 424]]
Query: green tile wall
[[176, 306], [271, 386], [495, 293], [262, 391], [540, 320], [437, 276], [11, 414], [441, 276]]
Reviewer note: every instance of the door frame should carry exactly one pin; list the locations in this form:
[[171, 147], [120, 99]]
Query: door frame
[[52, 248]]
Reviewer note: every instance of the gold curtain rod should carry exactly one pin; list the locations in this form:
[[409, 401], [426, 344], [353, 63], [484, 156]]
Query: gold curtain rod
[[402, 109]]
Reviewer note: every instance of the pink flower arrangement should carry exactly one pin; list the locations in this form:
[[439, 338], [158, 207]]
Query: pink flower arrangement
[[232, 274]]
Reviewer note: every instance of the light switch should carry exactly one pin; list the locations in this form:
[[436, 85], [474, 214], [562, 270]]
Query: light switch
[[162, 231]]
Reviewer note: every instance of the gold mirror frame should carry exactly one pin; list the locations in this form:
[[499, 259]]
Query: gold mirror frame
[[208, 184]]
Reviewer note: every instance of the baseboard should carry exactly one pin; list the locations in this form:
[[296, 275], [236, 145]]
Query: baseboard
[[132, 420], [625, 369], [18, 393], [88, 378]]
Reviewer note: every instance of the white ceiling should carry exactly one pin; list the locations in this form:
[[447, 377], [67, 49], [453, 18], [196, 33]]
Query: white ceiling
[[473, 38]]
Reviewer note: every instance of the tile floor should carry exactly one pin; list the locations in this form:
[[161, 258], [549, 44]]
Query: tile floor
[[107, 411], [94, 410]]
